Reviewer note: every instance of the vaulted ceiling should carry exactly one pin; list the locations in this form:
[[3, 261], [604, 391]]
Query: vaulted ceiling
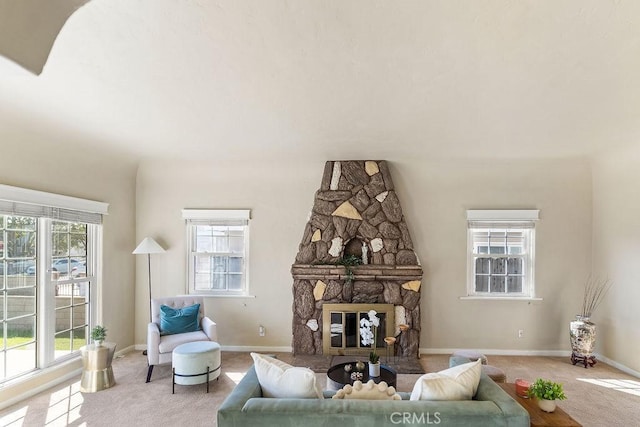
[[233, 79]]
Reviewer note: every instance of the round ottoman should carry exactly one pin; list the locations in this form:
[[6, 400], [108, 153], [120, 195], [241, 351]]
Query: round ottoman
[[196, 363], [472, 355]]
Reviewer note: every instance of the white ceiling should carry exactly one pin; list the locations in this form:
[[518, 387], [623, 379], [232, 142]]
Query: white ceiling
[[338, 78]]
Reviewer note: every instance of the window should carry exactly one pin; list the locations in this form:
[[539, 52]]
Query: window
[[501, 249], [217, 251], [48, 259]]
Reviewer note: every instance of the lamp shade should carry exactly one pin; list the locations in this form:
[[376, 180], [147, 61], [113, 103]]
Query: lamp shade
[[148, 246]]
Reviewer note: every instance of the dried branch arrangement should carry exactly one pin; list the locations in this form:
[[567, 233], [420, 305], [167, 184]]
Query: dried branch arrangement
[[594, 291]]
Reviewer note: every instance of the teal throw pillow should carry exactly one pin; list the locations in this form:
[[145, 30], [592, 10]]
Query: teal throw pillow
[[179, 320]]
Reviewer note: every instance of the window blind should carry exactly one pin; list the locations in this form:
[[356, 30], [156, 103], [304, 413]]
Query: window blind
[[503, 225], [39, 204], [25, 209]]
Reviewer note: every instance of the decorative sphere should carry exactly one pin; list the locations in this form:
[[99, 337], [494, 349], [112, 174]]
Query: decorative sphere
[[359, 365], [348, 368]]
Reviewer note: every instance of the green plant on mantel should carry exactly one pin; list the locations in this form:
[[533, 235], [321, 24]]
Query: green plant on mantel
[[348, 262]]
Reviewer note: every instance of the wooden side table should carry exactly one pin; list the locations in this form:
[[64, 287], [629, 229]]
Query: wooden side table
[[538, 417], [96, 367]]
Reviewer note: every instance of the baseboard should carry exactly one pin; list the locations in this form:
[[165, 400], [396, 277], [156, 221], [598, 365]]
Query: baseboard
[[241, 348], [258, 349], [126, 350], [498, 352], [617, 365]]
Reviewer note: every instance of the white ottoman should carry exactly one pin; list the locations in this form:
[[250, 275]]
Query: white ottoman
[[195, 363]]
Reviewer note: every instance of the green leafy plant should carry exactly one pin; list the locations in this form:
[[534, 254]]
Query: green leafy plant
[[546, 389], [348, 262], [98, 333], [374, 357]]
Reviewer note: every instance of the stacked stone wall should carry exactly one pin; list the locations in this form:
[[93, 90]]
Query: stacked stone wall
[[356, 212]]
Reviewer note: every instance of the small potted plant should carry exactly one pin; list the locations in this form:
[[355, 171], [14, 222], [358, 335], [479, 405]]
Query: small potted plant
[[98, 334], [547, 392]]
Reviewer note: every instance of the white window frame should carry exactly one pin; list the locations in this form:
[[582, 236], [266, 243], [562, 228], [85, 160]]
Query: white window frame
[[46, 207], [222, 217], [503, 220]]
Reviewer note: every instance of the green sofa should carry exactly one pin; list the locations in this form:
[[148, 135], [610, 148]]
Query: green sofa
[[491, 407]]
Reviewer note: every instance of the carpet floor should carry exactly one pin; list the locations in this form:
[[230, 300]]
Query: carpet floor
[[598, 396]]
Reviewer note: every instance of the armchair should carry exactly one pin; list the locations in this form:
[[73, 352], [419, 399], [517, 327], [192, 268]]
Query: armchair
[[160, 347]]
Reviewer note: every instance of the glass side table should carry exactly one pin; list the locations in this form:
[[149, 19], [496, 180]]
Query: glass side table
[[96, 367]]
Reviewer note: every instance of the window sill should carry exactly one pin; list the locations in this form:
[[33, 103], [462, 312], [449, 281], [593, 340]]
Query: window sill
[[221, 296], [501, 298]]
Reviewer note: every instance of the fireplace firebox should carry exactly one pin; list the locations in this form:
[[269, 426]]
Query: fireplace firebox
[[341, 327]]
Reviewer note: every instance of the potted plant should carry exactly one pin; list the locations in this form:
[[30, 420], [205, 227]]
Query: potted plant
[[98, 334], [547, 392], [347, 262], [368, 329]]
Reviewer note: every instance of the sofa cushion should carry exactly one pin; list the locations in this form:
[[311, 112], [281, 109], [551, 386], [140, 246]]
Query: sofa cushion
[[368, 391], [179, 320], [279, 379], [457, 383]]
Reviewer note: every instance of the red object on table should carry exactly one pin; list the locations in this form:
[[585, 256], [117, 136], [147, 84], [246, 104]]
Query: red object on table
[[522, 386]]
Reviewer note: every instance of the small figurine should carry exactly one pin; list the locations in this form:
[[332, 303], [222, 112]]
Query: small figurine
[[365, 256]]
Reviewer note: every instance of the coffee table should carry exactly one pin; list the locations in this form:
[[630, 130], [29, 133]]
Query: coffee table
[[337, 377], [538, 417]]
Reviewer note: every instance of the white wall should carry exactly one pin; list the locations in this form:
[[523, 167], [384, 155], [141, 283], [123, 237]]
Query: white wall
[[616, 254], [434, 196]]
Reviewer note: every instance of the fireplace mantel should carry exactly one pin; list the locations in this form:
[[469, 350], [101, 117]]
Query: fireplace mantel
[[360, 272]]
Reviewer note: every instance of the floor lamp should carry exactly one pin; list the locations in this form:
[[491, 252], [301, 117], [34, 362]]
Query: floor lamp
[[148, 246]]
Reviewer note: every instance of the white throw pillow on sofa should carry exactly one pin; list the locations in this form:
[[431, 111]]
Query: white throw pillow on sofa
[[457, 383], [279, 379]]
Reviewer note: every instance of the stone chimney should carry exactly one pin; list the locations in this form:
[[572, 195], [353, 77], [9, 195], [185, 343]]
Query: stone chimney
[[356, 214]]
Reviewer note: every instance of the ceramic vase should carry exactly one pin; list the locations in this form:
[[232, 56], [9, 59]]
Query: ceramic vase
[[98, 343], [547, 405], [583, 336], [374, 369]]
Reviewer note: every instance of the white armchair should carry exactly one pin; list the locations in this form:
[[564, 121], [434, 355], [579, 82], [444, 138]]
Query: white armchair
[[160, 347]]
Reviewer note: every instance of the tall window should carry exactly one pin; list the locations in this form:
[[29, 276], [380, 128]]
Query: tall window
[[48, 258], [501, 253], [17, 295], [217, 251]]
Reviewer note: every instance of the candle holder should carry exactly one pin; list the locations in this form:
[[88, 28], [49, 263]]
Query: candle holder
[[390, 341]]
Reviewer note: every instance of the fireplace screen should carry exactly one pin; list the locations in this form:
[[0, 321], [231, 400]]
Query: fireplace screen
[[341, 327]]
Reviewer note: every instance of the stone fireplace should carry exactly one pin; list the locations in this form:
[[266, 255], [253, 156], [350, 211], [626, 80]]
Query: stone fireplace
[[356, 215]]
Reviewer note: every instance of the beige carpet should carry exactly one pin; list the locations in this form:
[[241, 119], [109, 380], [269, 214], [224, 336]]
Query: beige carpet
[[599, 396]]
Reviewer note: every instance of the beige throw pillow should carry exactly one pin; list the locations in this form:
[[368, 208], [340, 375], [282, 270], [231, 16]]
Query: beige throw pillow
[[279, 379], [457, 383], [368, 391]]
